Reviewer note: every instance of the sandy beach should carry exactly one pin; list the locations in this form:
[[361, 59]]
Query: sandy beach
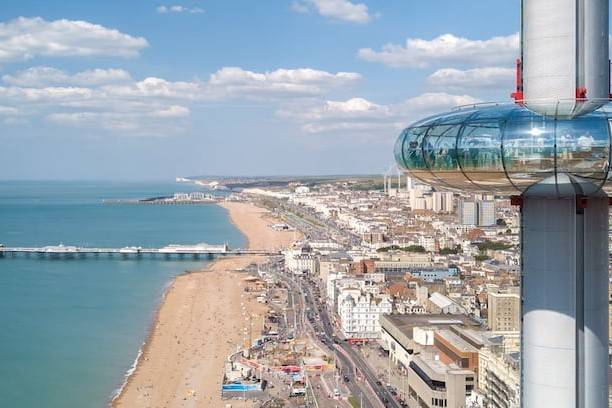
[[202, 319]]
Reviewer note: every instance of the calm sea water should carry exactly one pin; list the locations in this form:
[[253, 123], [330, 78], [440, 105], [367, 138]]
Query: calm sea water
[[70, 329]]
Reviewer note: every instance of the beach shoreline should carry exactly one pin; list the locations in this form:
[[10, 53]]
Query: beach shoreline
[[199, 322]]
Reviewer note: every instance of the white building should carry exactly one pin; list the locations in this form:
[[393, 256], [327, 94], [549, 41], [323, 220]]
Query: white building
[[360, 313], [302, 190], [427, 242], [468, 213], [481, 213], [499, 377], [432, 384], [438, 303], [301, 261], [442, 202], [486, 213]]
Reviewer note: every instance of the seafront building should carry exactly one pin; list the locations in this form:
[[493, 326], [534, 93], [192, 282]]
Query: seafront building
[[301, 261], [360, 313]]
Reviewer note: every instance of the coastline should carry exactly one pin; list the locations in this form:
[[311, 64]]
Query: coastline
[[201, 319], [143, 347]]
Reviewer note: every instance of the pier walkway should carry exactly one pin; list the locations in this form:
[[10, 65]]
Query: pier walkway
[[178, 251]]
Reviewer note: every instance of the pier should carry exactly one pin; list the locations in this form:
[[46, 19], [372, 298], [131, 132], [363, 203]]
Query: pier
[[171, 251]]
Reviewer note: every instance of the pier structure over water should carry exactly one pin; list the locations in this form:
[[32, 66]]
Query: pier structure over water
[[167, 252]]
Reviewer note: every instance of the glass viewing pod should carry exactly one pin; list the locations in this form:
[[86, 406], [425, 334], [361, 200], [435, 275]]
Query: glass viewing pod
[[504, 148]]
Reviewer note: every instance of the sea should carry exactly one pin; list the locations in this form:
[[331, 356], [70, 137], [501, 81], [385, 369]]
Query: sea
[[70, 329]]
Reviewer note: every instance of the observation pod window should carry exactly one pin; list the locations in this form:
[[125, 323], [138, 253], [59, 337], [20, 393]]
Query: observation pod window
[[528, 148], [398, 151], [480, 155], [412, 153], [440, 152], [505, 149], [583, 147]]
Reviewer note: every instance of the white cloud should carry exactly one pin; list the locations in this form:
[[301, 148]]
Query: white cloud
[[179, 9], [446, 48], [110, 99], [19, 95], [361, 115], [44, 76], [282, 83], [134, 124], [172, 111], [238, 83], [8, 111], [25, 38], [477, 78], [344, 10], [355, 108], [153, 87], [101, 76]]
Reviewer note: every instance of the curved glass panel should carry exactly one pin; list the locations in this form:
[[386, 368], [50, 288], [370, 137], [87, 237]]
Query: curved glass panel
[[455, 117], [494, 112], [412, 150], [505, 148], [441, 156], [583, 146], [397, 149], [427, 149], [480, 156], [528, 148]]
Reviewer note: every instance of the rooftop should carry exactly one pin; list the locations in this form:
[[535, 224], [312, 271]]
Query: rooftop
[[456, 341], [406, 323]]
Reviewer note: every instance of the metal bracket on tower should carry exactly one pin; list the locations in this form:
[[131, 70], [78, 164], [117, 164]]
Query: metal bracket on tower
[[582, 202], [518, 94], [517, 200]]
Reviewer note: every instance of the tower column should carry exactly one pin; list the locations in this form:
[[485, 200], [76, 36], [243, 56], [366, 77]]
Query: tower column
[[564, 347]]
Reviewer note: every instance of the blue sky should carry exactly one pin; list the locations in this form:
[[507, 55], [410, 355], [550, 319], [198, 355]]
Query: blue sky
[[155, 90]]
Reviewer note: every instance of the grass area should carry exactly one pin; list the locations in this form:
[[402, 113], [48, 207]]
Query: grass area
[[494, 246], [410, 248]]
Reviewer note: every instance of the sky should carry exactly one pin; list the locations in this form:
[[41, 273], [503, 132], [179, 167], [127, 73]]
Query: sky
[[153, 90]]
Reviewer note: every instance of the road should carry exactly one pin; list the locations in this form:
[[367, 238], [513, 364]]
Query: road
[[325, 341], [307, 221], [350, 359], [382, 393], [312, 225]]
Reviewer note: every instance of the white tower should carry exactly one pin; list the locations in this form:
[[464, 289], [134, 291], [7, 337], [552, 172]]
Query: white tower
[[564, 295], [564, 54]]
